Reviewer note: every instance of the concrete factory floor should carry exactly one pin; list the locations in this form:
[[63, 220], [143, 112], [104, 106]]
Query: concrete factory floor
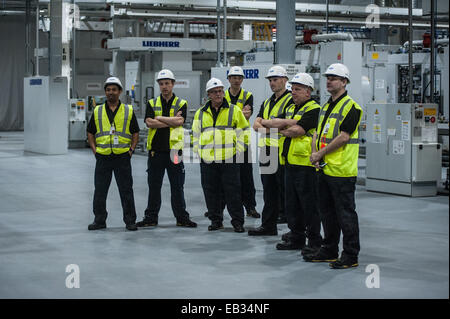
[[46, 206]]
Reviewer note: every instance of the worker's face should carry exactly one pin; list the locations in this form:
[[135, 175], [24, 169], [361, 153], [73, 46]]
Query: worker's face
[[300, 93], [277, 84], [112, 93], [216, 95], [166, 86], [335, 83], [235, 81]]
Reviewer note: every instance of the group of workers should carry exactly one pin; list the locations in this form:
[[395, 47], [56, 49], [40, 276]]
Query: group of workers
[[307, 155]]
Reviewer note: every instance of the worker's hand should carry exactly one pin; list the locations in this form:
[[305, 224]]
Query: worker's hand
[[315, 158], [247, 111], [179, 114]]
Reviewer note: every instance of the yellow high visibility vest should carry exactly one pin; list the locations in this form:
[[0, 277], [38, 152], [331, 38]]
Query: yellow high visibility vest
[[117, 141], [276, 111], [219, 141], [299, 152], [243, 96], [343, 162], [176, 139]]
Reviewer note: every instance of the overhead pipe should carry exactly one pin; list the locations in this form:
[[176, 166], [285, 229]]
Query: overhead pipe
[[325, 37], [419, 43], [327, 16]]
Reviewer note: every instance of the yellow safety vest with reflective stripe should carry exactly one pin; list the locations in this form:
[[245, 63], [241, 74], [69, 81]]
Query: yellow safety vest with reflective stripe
[[219, 141], [276, 111], [299, 152], [176, 139], [343, 162], [243, 96], [117, 140]]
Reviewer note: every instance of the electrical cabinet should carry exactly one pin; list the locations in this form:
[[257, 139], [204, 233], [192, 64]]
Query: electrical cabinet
[[77, 123], [403, 155]]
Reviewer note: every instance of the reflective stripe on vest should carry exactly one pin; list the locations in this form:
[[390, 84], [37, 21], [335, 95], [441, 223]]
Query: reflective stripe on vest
[[104, 137], [343, 162], [276, 111], [242, 98], [299, 152], [217, 143], [176, 139]]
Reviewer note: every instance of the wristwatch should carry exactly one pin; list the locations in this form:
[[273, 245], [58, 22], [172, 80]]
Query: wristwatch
[[132, 150]]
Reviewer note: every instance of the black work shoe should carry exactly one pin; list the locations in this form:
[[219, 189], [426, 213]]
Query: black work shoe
[[131, 227], [320, 256], [186, 223], [310, 250], [215, 226], [239, 228], [286, 236], [261, 231], [253, 213], [147, 223], [281, 220], [95, 226], [289, 245], [344, 263]]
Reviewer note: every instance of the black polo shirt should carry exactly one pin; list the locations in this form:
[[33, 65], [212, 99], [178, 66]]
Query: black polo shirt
[[308, 121], [273, 101], [160, 142], [234, 99], [91, 128]]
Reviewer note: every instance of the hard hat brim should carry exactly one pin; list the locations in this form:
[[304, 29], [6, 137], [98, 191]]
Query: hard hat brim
[[330, 74]]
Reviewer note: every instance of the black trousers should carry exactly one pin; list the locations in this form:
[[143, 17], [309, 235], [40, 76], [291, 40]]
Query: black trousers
[[302, 210], [104, 168], [337, 210], [248, 191], [222, 179], [157, 164]]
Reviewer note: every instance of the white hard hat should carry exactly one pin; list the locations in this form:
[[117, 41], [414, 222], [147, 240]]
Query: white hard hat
[[276, 70], [303, 78], [213, 83], [165, 74], [338, 69], [236, 70], [113, 80]]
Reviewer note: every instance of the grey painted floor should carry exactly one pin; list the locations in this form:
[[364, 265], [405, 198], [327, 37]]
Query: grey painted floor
[[45, 207]]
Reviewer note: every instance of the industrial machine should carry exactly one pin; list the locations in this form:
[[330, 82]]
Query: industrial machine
[[403, 153], [77, 123], [46, 115]]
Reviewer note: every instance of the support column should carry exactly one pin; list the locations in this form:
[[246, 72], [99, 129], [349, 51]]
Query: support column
[[285, 47]]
